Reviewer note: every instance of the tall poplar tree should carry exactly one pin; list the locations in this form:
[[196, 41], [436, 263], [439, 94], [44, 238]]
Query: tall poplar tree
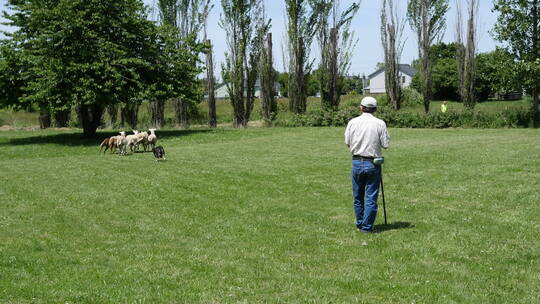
[[301, 28], [427, 19], [188, 17], [466, 53], [391, 32], [336, 43], [245, 32]]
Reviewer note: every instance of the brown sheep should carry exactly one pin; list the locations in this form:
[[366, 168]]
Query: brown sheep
[[108, 143]]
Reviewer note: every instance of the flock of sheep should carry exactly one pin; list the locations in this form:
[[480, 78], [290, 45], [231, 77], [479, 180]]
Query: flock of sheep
[[132, 141]]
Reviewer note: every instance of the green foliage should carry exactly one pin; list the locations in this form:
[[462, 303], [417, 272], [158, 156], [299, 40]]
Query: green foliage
[[241, 21], [93, 53], [351, 85], [13, 69], [77, 56], [496, 73], [444, 72], [435, 11], [411, 97], [512, 118], [173, 61], [283, 80], [518, 26]]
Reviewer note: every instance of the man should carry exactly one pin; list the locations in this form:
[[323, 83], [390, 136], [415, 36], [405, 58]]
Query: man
[[444, 107], [365, 136]]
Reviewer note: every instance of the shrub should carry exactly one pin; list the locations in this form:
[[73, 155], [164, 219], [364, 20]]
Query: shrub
[[411, 97], [517, 118]]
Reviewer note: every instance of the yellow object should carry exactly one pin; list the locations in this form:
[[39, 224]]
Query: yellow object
[[444, 108]]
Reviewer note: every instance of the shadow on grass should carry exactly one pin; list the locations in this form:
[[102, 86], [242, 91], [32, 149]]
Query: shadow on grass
[[393, 226], [77, 138]]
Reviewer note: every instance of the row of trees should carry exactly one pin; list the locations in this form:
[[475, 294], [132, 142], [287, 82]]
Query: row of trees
[[96, 56], [495, 73], [477, 75]]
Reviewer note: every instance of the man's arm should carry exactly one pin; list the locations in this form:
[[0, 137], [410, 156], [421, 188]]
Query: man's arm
[[347, 136], [385, 137]]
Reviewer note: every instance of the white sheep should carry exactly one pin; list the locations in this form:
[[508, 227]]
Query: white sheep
[[142, 138], [152, 138], [121, 143], [132, 140]]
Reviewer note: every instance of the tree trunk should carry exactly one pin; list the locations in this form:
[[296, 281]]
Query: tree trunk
[[297, 79], [44, 117], [157, 113], [535, 90], [90, 118], [129, 113], [470, 64], [268, 102], [212, 118], [112, 110], [426, 83], [535, 110], [182, 108], [333, 69], [61, 118], [426, 60]]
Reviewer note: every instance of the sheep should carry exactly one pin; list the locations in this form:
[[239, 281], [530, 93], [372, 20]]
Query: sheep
[[142, 138], [121, 143], [152, 138], [132, 140], [104, 144], [112, 143], [108, 143]]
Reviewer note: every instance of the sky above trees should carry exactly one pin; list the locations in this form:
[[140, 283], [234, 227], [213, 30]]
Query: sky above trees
[[366, 25]]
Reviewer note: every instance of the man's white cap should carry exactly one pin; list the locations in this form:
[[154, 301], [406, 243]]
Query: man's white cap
[[369, 102]]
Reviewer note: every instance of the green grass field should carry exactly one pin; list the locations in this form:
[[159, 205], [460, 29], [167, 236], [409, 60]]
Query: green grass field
[[264, 215]]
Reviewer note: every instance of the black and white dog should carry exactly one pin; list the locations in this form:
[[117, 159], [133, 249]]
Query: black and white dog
[[159, 153]]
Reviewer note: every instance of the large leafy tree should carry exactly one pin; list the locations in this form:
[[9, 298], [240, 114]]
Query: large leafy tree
[[427, 19], [518, 26], [497, 74], [86, 54], [444, 76]]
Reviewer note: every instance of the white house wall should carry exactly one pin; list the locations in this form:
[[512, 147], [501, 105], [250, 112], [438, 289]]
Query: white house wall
[[377, 84]]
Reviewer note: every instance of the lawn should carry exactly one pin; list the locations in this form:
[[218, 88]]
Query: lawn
[[264, 215]]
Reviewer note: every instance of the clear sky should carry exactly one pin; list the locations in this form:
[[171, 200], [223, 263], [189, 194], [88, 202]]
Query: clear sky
[[366, 25]]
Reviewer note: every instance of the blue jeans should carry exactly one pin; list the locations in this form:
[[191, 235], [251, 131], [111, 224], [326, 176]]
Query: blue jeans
[[366, 180]]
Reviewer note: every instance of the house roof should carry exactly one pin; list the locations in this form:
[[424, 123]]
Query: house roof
[[406, 69]]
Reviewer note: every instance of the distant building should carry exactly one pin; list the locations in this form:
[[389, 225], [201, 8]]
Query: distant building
[[222, 92], [377, 80]]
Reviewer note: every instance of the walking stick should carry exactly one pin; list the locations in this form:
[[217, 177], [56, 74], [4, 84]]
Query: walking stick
[[383, 202]]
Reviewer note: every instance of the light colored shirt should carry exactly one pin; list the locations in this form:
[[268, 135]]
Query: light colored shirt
[[366, 135], [444, 108]]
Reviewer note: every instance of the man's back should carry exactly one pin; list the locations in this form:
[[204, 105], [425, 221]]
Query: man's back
[[365, 135]]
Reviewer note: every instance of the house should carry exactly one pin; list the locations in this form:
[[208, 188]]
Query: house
[[377, 81], [222, 92]]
